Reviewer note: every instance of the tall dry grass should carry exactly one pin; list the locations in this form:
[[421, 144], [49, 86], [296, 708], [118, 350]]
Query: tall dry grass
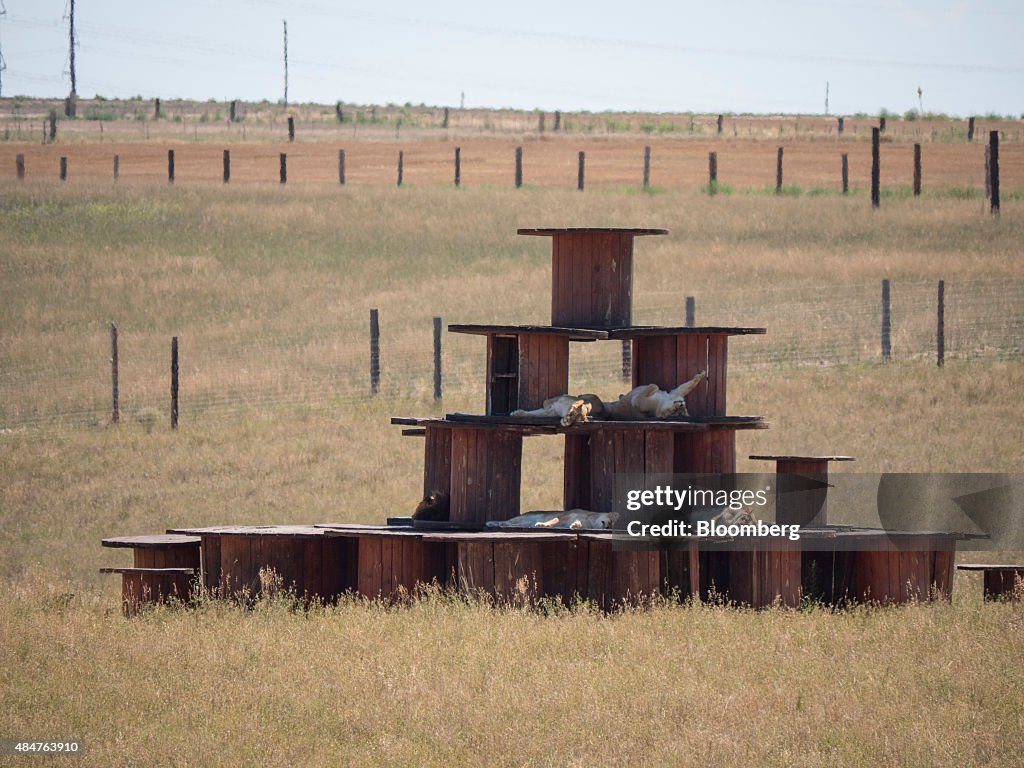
[[264, 287]]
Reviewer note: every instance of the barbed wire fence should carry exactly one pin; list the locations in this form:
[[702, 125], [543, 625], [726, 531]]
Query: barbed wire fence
[[224, 374]]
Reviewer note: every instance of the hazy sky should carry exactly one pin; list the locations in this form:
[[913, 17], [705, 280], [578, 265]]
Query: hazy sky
[[744, 55]]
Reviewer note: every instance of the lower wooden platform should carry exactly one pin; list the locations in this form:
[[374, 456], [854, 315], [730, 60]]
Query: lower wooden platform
[[833, 566]]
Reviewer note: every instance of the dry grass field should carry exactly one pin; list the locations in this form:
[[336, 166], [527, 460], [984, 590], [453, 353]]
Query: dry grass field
[[268, 289]]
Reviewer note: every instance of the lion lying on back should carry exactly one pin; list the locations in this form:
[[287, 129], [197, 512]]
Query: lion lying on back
[[572, 519], [643, 402]]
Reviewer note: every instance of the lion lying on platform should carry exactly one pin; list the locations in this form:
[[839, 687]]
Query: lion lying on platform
[[572, 519], [644, 402]]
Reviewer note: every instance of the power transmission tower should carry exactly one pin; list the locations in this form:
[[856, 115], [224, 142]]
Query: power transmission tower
[[285, 61]]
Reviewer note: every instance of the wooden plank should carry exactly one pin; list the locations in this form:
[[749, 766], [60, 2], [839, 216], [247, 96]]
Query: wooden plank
[[461, 500], [369, 574], [603, 279], [161, 541], [658, 450], [210, 552], [624, 267], [942, 570], [561, 304], [718, 366], [312, 568], [133, 569], [437, 464], [580, 290], [598, 573]]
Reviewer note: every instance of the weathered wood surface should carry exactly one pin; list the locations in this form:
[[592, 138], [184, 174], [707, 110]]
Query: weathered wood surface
[[642, 331], [591, 230], [161, 541], [576, 334], [157, 571], [486, 475]]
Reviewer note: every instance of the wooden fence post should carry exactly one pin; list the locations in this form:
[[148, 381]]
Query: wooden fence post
[[846, 173], [284, 168], [444, 122], [63, 169], [540, 123], [712, 172], [233, 113], [778, 172], [519, 167], [437, 358], [627, 360], [647, 167], [174, 382], [993, 172], [291, 128], [53, 125], [886, 322], [401, 166], [170, 166], [721, 120], [917, 170], [19, 165], [691, 311], [115, 406], [970, 129], [875, 168], [117, 167], [558, 120], [940, 330], [156, 109], [341, 167], [458, 166], [227, 165], [881, 124], [374, 352], [840, 126], [581, 171]]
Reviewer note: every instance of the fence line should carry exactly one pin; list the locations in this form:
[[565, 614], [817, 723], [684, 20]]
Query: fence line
[[991, 170], [327, 368]]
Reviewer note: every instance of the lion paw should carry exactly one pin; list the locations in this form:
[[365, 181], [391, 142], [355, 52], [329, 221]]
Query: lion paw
[[578, 412]]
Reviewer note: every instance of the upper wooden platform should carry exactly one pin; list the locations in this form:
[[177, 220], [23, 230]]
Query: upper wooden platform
[[543, 425], [599, 334], [802, 458], [549, 231]]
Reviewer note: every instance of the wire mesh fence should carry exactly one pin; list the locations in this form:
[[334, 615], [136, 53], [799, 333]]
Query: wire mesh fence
[[222, 373]]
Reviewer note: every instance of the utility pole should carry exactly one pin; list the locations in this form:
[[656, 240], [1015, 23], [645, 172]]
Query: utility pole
[[69, 106], [285, 61], [826, 97], [3, 64]]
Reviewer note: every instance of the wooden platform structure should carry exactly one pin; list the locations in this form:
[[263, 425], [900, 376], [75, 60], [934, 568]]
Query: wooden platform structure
[[476, 461], [1000, 581]]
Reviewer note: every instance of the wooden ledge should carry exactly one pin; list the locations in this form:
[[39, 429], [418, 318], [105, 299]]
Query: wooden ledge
[[992, 568], [296, 531], [156, 571], [802, 458], [549, 425], [574, 334], [591, 230], [155, 541], [640, 331]]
